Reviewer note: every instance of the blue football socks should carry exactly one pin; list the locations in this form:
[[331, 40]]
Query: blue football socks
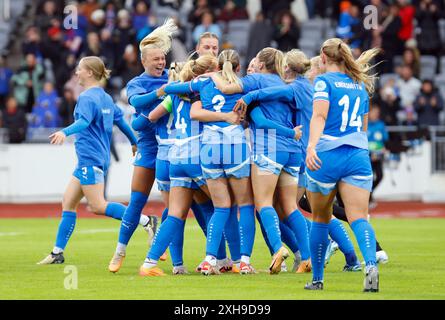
[[297, 222], [247, 229], [271, 225], [318, 243], [66, 228], [365, 236]]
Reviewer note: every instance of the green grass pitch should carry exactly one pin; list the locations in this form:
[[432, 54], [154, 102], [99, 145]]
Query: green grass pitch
[[415, 271]]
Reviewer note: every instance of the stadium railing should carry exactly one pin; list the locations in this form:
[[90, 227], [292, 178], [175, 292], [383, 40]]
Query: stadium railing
[[412, 136]]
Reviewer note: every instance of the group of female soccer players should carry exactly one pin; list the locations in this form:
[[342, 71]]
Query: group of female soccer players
[[226, 147]]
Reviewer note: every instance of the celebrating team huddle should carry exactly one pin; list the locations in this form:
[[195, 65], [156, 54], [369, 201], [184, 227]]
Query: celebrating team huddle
[[231, 149]]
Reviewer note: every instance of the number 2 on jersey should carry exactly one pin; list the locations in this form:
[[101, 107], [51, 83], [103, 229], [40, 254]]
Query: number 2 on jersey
[[354, 121], [218, 102]]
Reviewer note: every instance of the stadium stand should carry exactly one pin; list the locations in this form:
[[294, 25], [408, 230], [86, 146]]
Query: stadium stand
[[120, 50]]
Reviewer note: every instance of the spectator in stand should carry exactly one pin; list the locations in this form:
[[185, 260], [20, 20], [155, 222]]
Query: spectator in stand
[[66, 108], [28, 82], [97, 21], [53, 47], [45, 113], [411, 58], [409, 88], [390, 42], [123, 35], [63, 74], [14, 120], [260, 36], [5, 78], [376, 38], [110, 15], [377, 137], [88, 7], [352, 30], [389, 102], [48, 17], [407, 13], [140, 15], [410, 119], [75, 38], [428, 105], [287, 32], [93, 45], [319, 8], [150, 25], [271, 8], [234, 10], [207, 25], [343, 30], [174, 4], [107, 48], [32, 43], [427, 17], [130, 68], [195, 15]]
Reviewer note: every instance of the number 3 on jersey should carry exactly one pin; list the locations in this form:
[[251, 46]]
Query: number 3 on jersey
[[355, 121]]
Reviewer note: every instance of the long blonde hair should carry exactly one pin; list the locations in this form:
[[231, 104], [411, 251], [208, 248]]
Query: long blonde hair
[[297, 61], [194, 68], [160, 38], [228, 62], [273, 60], [339, 53], [97, 67]]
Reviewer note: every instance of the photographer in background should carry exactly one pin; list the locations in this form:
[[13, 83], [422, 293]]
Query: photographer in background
[[377, 137]]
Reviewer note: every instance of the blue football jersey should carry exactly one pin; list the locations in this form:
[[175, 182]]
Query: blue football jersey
[[187, 132], [281, 112], [214, 100], [303, 93], [348, 103], [93, 144], [143, 84]]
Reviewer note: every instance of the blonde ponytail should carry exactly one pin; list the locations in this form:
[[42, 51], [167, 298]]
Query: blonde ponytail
[[228, 62], [97, 67], [160, 38], [339, 53]]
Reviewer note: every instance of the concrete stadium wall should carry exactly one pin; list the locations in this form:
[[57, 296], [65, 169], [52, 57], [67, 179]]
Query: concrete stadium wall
[[40, 173]]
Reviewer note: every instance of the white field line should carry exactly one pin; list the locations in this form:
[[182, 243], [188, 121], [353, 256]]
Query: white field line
[[92, 231], [11, 234]]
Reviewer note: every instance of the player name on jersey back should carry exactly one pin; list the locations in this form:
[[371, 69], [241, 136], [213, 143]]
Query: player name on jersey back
[[348, 85]]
